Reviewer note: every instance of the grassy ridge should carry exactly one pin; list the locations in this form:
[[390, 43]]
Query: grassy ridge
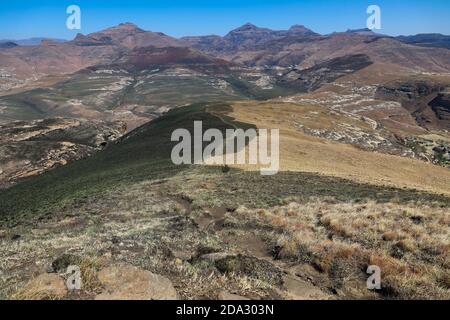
[[144, 154]]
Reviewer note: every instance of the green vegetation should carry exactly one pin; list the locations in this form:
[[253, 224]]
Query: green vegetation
[[256, 191]]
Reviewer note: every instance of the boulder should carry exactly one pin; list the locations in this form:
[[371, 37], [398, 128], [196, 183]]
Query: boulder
[[126, 282]]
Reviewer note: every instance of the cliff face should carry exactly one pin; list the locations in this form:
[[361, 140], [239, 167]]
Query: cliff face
[[441, 107], [427, 101]]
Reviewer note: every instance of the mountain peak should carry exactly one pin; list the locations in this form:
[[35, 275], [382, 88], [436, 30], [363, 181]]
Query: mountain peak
[[301, 29], [298, 27], [247, 30], [248, 27], [127, 26]]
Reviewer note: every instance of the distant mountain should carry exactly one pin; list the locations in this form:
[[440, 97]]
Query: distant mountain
[[127, 35], [427, 40], [33, 41], [247, 36], [248, 46], [8, 45], [250, 31], [22, 63], [300, 47]]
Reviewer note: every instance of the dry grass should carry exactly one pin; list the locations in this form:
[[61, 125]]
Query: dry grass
[[299, 152], [192, 282], [34, 294], [89, 266], [410, 243], [143, 225]]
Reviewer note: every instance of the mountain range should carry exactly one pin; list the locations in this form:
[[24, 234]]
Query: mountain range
[[249, 62], [248, 45]]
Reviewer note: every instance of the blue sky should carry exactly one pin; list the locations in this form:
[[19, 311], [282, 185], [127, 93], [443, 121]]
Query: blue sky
[[47, 18]]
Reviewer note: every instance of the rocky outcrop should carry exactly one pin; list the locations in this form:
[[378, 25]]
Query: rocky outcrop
[[408, 90], [425, 100], [441, 107], [29, 148], [126, 282]]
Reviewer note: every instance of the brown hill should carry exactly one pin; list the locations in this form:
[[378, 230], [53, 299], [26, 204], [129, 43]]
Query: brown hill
[[130, 36], [22, 64]]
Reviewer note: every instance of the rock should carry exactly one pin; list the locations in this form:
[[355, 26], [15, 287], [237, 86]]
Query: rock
[[115, 240], [15, 237], [439, 149], [46, 286], [203, 250], [126, 282], [226, 296], [61, 263]]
